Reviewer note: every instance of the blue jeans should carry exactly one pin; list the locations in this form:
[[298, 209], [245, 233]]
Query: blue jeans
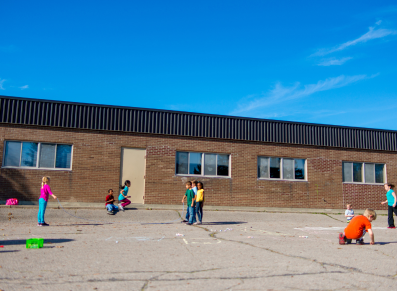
[[112, 207], [187, 213], [192, 214], [199, 211], [42, 207]]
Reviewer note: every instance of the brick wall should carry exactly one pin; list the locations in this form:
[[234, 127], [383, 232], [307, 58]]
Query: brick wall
[[96, 168]]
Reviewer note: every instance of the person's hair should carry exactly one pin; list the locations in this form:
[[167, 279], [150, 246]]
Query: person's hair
[[188, 183], [44, 180], [390, 185], [194, 182], [348, 204], [201, 183], [110, 190], [370, 212], [125, 184]]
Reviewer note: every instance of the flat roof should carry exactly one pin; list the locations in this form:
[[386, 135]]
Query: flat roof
[[50, 113]]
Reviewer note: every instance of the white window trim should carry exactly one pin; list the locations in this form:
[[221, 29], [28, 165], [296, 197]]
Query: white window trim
[[202, 163], [38, 156], [282, 170], [363, 173]]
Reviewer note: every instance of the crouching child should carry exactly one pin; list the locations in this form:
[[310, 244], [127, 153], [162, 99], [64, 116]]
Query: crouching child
[[358, 227], [111, 208]]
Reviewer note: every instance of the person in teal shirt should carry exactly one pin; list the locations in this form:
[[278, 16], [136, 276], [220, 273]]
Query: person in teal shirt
[[391, 204]]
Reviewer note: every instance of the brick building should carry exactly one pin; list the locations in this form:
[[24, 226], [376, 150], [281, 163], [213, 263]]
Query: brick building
[[87, 149]]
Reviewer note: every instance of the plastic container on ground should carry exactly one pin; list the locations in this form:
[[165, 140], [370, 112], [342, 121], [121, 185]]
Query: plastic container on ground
[[34, 243]]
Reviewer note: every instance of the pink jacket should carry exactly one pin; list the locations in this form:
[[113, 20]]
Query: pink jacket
[[45, 192]]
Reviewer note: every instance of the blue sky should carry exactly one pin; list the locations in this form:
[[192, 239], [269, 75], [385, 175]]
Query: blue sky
[[331, 62]]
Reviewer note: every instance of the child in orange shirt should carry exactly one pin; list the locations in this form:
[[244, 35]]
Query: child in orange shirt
[[357, 228]]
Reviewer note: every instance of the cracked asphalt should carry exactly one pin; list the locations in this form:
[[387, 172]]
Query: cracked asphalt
[[137, 250]]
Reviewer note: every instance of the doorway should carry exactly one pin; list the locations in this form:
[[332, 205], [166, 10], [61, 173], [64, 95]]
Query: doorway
[[133, 167]]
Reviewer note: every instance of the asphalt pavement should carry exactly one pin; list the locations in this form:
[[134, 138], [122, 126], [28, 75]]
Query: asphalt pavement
[[152, 250]]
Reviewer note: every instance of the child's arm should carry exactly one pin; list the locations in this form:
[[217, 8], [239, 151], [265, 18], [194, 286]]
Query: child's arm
[[49, 191], [183, 199], [371, 235], [193, 200], [395, 199], [122, 193], [384, 202]]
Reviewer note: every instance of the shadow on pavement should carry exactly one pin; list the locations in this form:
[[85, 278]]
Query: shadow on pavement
[[23, 241], [223, 222]]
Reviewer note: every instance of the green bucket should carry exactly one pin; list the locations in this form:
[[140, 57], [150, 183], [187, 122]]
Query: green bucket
[[34, 243]]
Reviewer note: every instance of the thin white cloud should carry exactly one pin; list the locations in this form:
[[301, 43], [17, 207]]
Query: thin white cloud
[[1, 84], [334, 62], [373, 33], [24, 87], [282, 94]]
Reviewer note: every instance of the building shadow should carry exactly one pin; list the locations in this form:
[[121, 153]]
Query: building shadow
[[13, 185]]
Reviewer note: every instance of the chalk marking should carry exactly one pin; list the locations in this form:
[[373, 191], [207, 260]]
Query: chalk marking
[[108, 238], [203, 243]]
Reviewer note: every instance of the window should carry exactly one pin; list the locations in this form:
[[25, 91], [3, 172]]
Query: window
[[20, 154], [281, 168], [202, 164], [367, 173]]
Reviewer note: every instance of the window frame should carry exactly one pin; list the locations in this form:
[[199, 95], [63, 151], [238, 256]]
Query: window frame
[[363, 173], [38, 156], [203, 166], [282, 169]]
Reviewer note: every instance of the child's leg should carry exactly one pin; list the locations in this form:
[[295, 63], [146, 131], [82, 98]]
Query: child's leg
[[390, 219], [201, 212], [42, 207], [198, 210], [115, 207], [192, 215], [125, 202], [109, 207]]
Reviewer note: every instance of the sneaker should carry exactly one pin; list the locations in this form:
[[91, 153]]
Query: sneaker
[[391, 226], [39, 224], [185, 220], [195, 223], [348, 241], [360, 241], [121, 207], [342, 238], [189, 223], [110, 213], [45, 224]]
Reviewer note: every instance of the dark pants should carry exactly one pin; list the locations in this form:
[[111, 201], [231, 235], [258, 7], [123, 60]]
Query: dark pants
[[199, 211], [390, 210]]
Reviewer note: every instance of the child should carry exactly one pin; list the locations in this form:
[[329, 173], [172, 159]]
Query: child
[[193, 183], [45, 192], [357, 228], [109, 203], [194, 187], [349, 213], [123, 201], [200, 202], [191, 197], [391, 202]]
